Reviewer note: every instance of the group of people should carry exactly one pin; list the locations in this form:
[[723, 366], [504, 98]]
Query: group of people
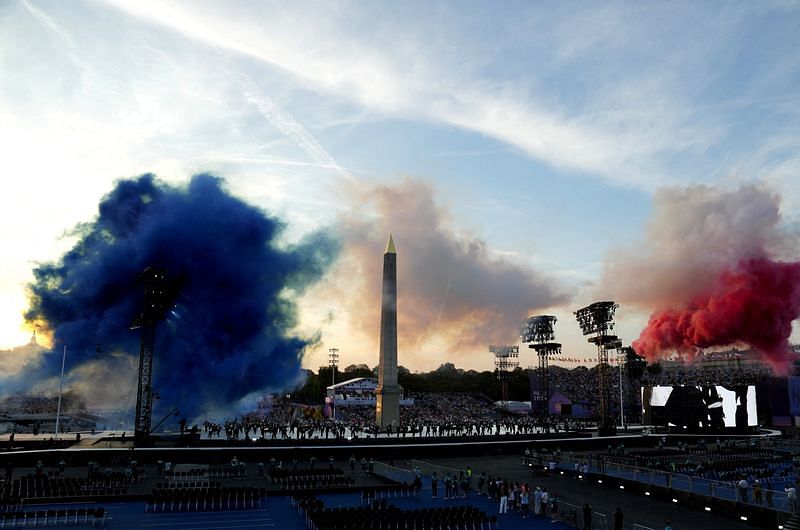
[[698, 375], [431, 415], [511, 496]]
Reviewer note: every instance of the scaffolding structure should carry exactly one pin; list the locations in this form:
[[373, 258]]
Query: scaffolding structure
[[539, 332], [506, 360], [597, 320]]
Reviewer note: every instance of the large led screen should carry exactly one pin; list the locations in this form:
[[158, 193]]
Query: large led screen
[[700, 407]]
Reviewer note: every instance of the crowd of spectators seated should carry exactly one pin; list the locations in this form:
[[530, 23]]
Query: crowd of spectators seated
[[432, 414], [698, 376]]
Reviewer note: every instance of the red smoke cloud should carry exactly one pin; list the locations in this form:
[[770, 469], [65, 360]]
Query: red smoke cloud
[[753, 303]]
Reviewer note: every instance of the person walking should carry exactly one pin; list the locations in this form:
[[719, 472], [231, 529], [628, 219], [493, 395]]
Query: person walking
[[504, 498], [757, 493], [587, 516], [618, 519], [434, 486], [524, 500], [554, 508], [537, 501], [545, 501]]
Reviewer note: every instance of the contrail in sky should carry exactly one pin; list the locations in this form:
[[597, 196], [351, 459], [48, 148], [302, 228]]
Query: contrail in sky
[[291, 128]]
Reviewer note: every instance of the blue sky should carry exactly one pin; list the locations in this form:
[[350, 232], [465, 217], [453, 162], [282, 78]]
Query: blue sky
[[541, 128]]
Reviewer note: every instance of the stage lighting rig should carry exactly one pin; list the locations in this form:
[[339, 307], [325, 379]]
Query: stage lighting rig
[[158, 300], [506, 360], [539, 332], [597, 320]]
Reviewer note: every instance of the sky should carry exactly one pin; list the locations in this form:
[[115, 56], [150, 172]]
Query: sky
[[517, 151]]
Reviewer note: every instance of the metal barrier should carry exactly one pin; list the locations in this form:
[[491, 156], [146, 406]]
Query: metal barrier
[[398, 474], [572, 515], [426, 468], [774, 499], [599, 521]]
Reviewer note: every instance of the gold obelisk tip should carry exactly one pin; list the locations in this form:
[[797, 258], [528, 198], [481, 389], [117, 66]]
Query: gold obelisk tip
[[390, 246]]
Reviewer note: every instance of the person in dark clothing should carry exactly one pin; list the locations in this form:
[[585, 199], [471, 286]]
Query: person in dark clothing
[[618, 519], [587, 517]]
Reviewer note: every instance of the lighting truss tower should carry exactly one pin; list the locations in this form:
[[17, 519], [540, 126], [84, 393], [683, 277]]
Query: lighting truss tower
[[333, 362], [157, 301], [506, 360], [539, 332], [597, 320]]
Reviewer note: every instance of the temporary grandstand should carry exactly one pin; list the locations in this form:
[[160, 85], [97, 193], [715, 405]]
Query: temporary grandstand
[[358, 391]]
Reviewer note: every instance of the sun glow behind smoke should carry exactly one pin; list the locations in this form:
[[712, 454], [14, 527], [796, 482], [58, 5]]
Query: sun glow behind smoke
[[228, 334]]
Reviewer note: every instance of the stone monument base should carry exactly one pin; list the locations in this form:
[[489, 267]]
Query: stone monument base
[[387, 406]]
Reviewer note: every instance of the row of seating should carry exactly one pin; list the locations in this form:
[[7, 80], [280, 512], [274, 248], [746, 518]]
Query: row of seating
[[39, 486], [385, 492], [382, 516], [302, 483], [202, 473], [55, 493], [187, 485], [57, 518], [315, 473], [188, 474], [166, 500]]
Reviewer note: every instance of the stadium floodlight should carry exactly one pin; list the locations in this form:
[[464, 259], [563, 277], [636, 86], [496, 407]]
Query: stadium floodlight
[[539, 332], [506, 360], [159, 295], [538, 329], [597, 319], [333, 362]]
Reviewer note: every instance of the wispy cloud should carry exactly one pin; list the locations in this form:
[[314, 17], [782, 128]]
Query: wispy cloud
[[635, 109]]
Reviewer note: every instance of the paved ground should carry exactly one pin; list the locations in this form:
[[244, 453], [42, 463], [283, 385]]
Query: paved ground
[[647, 512]]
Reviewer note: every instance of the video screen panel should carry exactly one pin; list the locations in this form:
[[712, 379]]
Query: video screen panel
[[701, 407]]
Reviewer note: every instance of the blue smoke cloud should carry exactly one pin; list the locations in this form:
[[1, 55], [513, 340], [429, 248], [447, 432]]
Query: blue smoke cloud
[[228, 334]]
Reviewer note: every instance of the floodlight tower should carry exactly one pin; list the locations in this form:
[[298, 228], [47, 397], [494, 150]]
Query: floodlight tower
[[597, 320], [157, 301], [333, 362], [539, 332], [506, 359]]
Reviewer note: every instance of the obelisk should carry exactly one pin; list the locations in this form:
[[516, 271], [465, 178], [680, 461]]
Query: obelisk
[[387, 407]]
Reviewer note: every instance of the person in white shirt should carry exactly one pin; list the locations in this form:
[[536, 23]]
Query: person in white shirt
[[743, 490], [791, 494]]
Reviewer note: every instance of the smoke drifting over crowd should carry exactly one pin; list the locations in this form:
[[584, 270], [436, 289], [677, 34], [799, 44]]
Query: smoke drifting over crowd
[[228, 335], [714, 269], [454, 295]]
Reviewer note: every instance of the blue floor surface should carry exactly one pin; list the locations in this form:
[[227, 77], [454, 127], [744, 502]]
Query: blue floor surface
[[278, 513]]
